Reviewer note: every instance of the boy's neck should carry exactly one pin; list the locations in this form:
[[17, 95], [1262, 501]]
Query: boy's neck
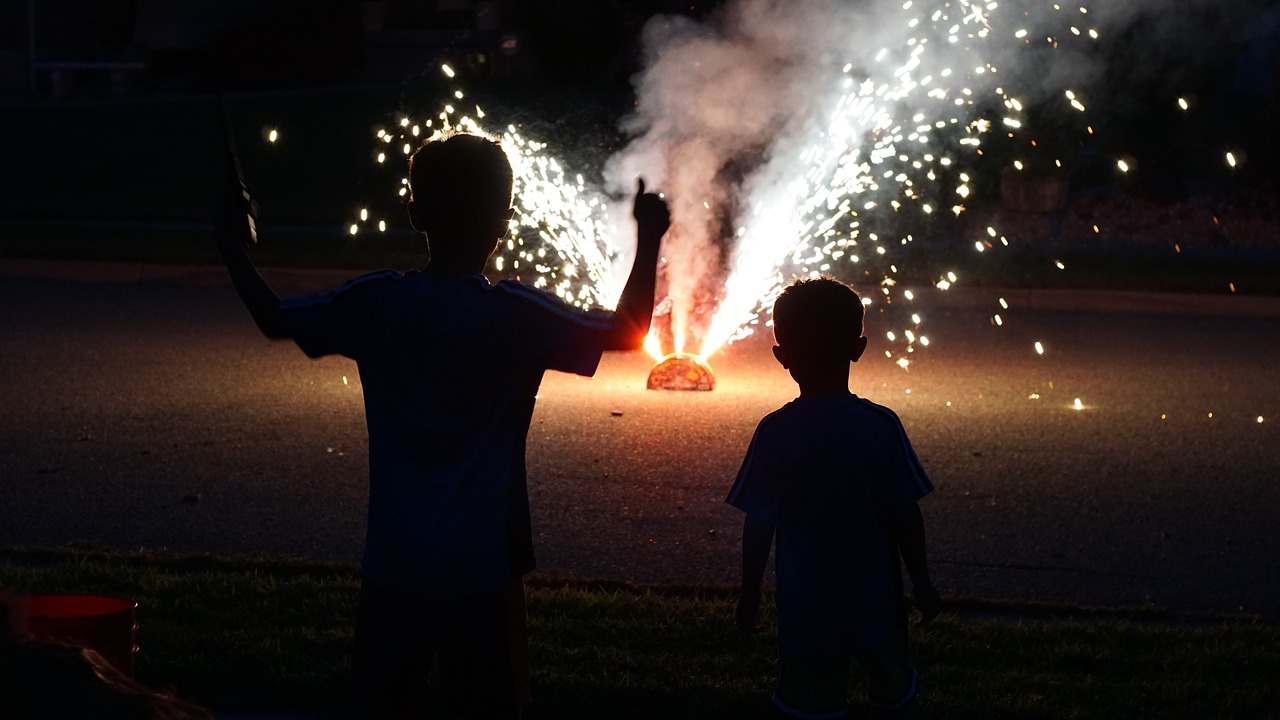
[[832, 387], [441, 268]]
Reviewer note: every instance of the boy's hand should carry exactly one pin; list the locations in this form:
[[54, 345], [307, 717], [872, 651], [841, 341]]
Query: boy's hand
[[651, 214], [747, 612], [927, 601]]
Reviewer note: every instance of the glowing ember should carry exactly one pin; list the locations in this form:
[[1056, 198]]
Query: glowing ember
[[682, 372]]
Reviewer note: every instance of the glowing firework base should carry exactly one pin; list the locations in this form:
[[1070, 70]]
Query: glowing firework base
[[682, 372]]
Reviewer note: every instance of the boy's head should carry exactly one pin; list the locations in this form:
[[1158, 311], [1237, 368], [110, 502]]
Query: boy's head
[[460, 191], [817, 324]]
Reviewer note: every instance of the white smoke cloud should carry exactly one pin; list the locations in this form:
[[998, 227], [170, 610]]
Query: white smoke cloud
[[726, 108]]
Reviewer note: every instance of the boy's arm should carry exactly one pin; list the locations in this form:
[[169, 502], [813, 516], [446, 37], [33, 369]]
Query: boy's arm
[[634, 313], [234, 231], [757, 538], [908, 535]]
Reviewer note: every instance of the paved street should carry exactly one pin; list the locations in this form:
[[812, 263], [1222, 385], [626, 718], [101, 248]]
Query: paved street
[[151, 414]]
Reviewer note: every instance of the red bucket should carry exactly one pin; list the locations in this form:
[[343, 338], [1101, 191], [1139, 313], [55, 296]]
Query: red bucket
[[103, 623]]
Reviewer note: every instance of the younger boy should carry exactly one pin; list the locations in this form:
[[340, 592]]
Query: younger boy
[[835, 476], [450, 367]]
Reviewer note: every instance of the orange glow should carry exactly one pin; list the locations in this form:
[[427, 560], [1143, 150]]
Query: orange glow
[[681, 372]]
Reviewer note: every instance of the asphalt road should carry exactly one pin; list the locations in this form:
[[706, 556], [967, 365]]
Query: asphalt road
[[151, 414]]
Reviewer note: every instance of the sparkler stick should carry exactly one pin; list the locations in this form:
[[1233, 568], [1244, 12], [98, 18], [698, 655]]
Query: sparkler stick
[[235, 171]]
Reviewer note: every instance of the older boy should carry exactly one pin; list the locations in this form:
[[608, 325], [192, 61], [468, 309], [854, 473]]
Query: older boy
[[450, 367], [835, 476]]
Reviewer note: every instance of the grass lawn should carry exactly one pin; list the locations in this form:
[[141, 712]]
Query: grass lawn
[[265, 633]]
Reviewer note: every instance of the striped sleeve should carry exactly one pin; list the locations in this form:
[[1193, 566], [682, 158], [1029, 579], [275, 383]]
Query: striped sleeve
[[340, 321], [755, 490], [911, 482], [557, 335]]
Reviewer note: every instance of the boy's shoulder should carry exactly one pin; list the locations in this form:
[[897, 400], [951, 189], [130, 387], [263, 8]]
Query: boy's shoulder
[[856, 413], [542, 302]]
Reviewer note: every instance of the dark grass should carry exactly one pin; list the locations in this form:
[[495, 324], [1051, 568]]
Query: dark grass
[[272, 634]]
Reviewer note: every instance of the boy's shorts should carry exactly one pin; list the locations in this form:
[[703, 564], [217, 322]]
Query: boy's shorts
[[480, 645], [817, 687]]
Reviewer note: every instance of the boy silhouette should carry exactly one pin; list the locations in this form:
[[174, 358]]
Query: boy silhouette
[[835, 476], [450, 367]]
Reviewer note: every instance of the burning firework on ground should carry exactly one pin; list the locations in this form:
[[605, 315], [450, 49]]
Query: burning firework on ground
[[829, 166]]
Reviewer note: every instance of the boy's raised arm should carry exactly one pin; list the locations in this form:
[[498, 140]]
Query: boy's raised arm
[[234, 231], [634, 313], [908, 534]]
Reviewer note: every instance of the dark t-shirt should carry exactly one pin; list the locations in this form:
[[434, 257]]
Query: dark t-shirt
[[832, 472], [450, 370]]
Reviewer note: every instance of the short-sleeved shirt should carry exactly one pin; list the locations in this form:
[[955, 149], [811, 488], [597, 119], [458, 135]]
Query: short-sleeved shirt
[[450, 370], [832, 473]]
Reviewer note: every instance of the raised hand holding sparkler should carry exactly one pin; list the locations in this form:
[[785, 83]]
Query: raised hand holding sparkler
[[634, 313], [235, 229], [237, 206]]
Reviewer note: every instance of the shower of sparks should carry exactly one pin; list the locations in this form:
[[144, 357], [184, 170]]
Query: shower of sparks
[[900, 138]]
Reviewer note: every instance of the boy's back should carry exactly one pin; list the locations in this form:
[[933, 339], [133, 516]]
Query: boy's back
[[835, 470], [834, 478], [450, 369]]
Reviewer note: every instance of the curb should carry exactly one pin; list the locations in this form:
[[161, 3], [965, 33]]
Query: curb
[[962, 298]]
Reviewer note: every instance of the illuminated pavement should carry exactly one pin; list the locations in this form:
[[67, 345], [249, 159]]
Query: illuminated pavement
[[152, 415]]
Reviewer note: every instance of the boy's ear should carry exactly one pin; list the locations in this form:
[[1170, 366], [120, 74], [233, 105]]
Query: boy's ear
[[415, 211], [780, 354], [503, 223], [859, 347]]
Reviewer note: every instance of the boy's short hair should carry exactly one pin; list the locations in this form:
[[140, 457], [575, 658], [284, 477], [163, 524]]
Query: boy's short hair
[[812, 312], [460, 178]]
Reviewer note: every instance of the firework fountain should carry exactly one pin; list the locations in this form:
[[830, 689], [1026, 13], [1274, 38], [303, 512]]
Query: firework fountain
[[790, 140]]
